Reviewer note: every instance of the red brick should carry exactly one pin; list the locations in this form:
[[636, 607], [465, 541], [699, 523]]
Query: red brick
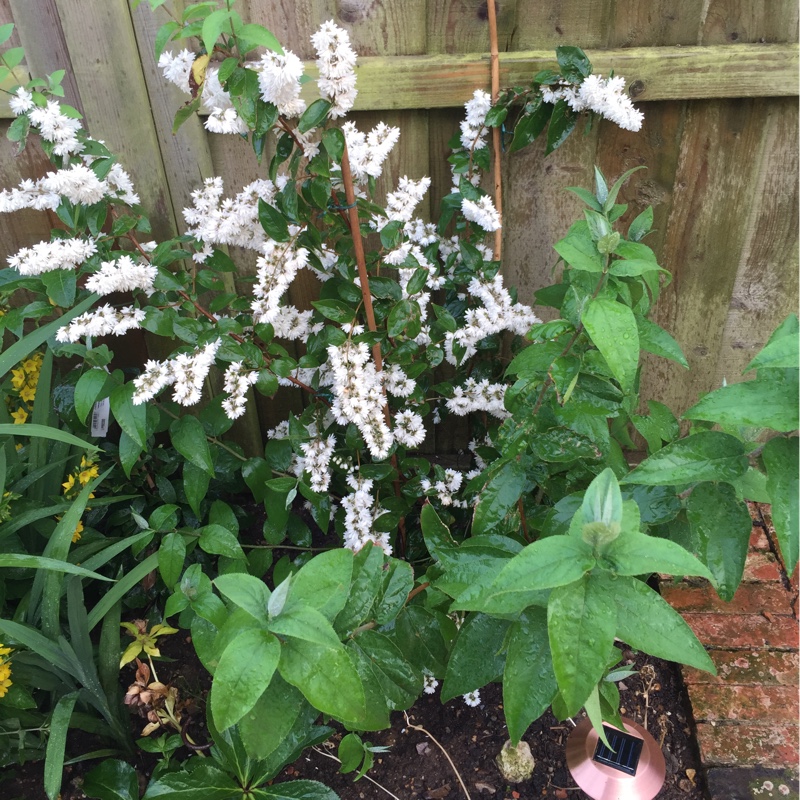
[[762, 567], [750, 598], [758, 539], [746, 744], [748, 667], [744, 630], [762, 704]]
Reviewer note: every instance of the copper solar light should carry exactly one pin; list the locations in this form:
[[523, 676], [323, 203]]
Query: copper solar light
[[632, 769]]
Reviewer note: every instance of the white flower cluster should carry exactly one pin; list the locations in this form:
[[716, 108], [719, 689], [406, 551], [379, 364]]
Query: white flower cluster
[[473, 129], [360, 515], [230, 221], [276, 269], [222, 116], [176, 68], [122, 275], [358, 396], [103, 321], [77, 183], [445, 489], [604, 96], [408, 428], [55, 127], [482, 213], [47, 256], [237, 382], [478, 396], [186, 372], [497, 313], [279, 81], [396, 381], [367, 152], [316, 462], [429, 683], [401, 203], [336, 62]]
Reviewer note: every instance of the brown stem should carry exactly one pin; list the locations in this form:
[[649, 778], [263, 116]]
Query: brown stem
[[416, 590], [498, 183]]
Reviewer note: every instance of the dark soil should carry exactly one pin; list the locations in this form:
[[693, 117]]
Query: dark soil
[[415, 766]]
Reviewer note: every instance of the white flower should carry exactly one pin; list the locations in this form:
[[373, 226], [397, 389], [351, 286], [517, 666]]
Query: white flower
[[409, 429], [279, 81], [103, 321], [429, 683], [21, 102], [401, 203], [336, 61], [482, 213], [317, 454], [47, 256], [473, 698], [360, 515], [367, 152], [222, 116], [176, 69], [237, 382], [473, 130], [122, 275], [57, 128]]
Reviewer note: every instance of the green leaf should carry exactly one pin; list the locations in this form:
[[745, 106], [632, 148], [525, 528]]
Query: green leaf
[[780, 353], [334, 143], [60, 285], [499, 496], [88, 390], [477, 656], [258, 36], [244, 671], [639, 554], [45, 432], [581, 623], [247, 592], [295, 790], [612, 328], [6, 31], [57, 741], [781, 460], [419, 635], [762, 403], [704, 456], [315, 114], [719, 526], [603, 500], [641, 225], [219, 541], [531, 125], [404, 317], [171, 555], [184, 112], [189, 439], [273, 222], [324, 582], [580, 252], [112, 779], [335, 310], [366, 584], [121, 588], [204, 782], [562, 123], [575, 65], [131, 418], [195, 485], [529, 683], [22, 561], [335, 690], [213, 26], [647, 622]]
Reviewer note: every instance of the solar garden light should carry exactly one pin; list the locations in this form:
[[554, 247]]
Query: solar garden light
[[632, 769]]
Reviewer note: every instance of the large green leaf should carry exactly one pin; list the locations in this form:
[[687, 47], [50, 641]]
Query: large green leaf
[[553, 561], [762, 403], [705, 456], [205, 782], [529, 683], [781, 460], [45, 432], [56, 742], [303, 622], [244, 671], [324, 582], [613, 330], [189, 439], [131, 418], [22, 561], [499, 496], [364, 588], [112, 779], [418, 634], [638, 554], [477, 657], [326, 676], [581, 622], [719, 527], [647, 622], [655, 339], [247, 592], [779, 353], [295, 790]]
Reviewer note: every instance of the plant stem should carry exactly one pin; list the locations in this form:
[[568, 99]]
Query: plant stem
[[498, 180], [383, 788]]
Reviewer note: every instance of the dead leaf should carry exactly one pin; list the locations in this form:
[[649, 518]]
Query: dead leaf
[[485, 787], [438, 794]]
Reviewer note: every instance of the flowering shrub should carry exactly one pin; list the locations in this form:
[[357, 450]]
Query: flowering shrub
[[540, 541]]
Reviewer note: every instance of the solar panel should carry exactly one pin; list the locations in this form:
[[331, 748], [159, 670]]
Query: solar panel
[[624, 752]]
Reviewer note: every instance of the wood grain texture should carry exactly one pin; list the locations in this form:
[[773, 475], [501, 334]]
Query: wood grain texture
[[766, 286], [548, 25], [461, 26], [738, 21], [633, 23], [717, 173]]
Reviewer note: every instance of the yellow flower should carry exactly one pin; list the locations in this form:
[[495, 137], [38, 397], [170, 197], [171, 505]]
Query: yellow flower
[[17, 379], [4, 651], [5, 671], [28, 394], [76, 534], [143, 640], [88, 471], [19, 416], [68, 483]]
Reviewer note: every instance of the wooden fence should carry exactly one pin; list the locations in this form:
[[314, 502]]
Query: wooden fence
[[718, 83]]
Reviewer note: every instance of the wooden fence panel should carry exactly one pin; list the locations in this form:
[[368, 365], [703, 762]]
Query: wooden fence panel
[[721, 173]]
